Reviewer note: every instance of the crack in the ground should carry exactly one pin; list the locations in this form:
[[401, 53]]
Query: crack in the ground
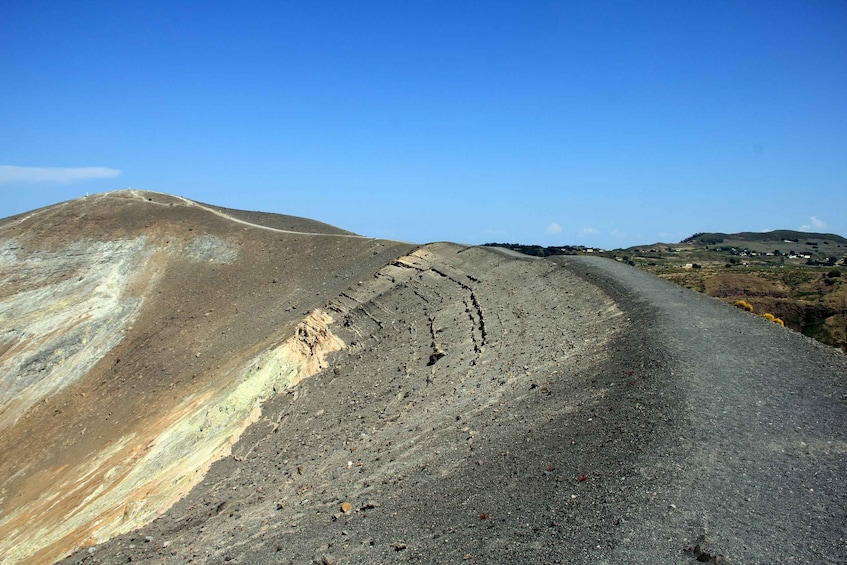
[[360, 307], [437, 352]]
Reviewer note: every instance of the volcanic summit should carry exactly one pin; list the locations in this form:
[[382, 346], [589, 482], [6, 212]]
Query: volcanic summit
[[181, 382]]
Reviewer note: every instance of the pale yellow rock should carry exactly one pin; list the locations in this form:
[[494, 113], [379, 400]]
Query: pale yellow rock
[[132, 481]]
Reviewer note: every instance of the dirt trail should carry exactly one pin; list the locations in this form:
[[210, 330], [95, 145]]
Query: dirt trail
[[754, 462], [143, 195]]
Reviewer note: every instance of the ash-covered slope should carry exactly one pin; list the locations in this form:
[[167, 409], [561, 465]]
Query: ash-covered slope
[[437, 432], [138, 334], [493, 408], [462, 405]]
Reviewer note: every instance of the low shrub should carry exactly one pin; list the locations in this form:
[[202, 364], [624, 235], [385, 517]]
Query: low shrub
[[771, 318], [744, 305]]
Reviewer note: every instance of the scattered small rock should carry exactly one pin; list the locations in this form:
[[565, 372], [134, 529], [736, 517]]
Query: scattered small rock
[[703, 555]]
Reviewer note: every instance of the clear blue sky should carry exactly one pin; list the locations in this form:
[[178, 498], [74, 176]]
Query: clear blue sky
[[600, 123]]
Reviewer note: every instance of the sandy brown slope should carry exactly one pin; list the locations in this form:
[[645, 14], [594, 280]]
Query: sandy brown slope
[[129, 316]]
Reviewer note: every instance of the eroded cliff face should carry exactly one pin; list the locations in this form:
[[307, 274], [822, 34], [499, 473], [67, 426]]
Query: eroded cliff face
[[139, 335]]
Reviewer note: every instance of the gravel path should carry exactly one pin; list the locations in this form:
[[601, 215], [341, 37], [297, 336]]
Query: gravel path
[[754, 455]]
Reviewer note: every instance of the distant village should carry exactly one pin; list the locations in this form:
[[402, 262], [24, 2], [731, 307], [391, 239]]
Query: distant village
[[808, 256]]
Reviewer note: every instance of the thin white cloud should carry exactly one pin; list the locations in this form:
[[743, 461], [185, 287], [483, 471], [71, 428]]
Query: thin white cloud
[[815, 223], [12, 173], [554, 228], [588, 231]]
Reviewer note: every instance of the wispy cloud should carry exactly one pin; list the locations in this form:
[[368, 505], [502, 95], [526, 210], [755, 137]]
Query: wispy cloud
[[554, 228], [588, 231], [12, 173], [815, 223]]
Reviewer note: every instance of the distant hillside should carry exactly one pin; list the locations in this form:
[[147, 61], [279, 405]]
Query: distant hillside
[[771, 236], [819, 246], [799, 277]]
